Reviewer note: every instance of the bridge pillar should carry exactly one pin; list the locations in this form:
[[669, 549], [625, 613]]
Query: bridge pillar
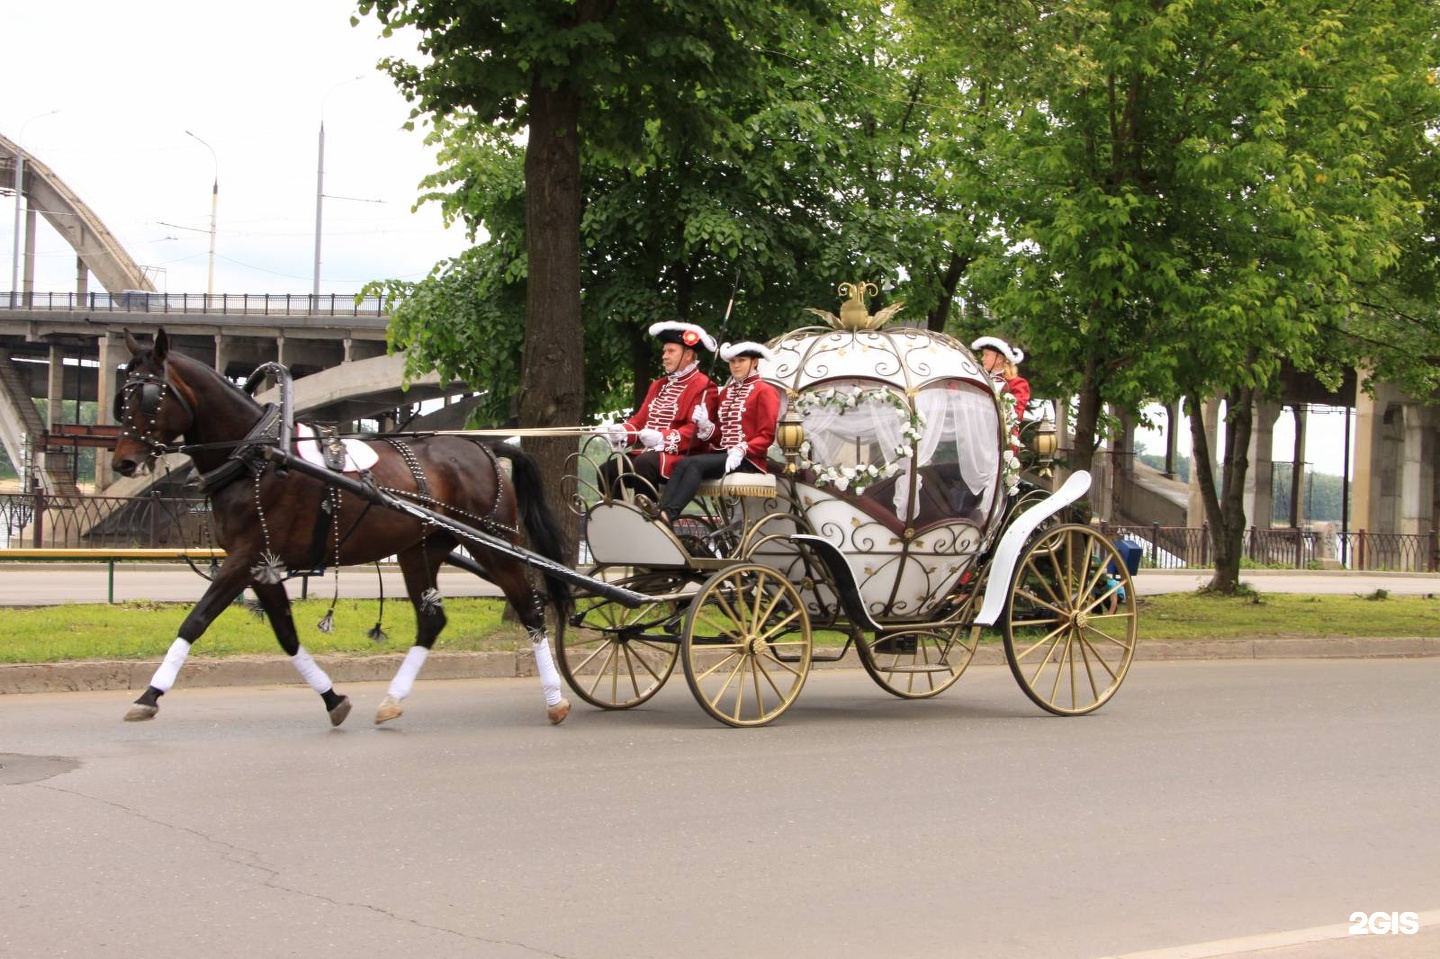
[[113, 356], [1417, 471], [1297, 467], [1260, 478], [82, 282]]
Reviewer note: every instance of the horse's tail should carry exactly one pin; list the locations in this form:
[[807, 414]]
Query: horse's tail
[[546, 535]]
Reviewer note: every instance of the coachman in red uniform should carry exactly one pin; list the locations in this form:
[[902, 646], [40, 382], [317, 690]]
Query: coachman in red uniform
[[663, 429]]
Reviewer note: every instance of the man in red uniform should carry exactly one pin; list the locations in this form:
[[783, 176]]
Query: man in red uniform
[[749, 408], [662, 431]]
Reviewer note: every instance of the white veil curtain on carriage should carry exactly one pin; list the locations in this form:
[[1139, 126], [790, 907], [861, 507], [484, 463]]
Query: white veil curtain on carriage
[[962, 418]]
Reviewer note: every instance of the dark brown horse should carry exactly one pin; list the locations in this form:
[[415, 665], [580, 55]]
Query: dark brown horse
[[271, 520]]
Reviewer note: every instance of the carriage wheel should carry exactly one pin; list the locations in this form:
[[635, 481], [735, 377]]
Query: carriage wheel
[[619, 657], [746, 645], [1071, 624], [918, 663]]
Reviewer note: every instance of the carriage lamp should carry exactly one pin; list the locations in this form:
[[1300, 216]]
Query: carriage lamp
[[790, 433], [1045, 443]]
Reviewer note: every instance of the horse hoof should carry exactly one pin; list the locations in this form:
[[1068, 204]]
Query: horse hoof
[[390, 708], [141, 712], [558, 712], [340, 711]]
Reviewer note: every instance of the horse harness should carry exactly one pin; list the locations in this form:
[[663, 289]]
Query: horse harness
[[249, 455]]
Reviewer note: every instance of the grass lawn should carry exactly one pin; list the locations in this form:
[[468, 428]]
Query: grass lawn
[[145, 630]]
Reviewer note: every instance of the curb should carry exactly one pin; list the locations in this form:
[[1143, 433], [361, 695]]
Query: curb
[[277, 670]]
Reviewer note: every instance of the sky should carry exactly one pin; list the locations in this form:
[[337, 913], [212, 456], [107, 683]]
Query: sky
[[251, 80]]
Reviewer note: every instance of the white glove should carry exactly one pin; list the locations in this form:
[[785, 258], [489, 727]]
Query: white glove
[[704, 429], [614, 434], [651, 439], [733, 458]]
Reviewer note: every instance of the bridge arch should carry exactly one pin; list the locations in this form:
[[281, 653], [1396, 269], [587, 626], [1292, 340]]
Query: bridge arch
[[94, 245]]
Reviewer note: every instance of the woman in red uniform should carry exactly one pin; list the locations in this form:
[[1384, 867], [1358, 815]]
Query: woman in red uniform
[[749, 408], [1000, 360]]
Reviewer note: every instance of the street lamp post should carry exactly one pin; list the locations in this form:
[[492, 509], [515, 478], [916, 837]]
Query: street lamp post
[[214, 205], [320, 191], [19, 196]]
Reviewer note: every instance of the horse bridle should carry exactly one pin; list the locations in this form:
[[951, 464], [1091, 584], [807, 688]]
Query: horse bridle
[[153, 391]]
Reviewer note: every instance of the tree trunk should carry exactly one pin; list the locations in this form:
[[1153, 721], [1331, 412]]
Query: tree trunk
[[1225, 511], [1087, 420], [552, 377], [935, 321]]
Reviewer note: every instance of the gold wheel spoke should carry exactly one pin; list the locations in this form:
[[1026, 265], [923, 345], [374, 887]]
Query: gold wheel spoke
[[1056, 603], [600, 673], [1093, 652], [1038, 601], [712, 670], [606, 645], [1118, 642], [770, 655], [1044, 662], [775, 629], [1094, 579], [1047, 638]]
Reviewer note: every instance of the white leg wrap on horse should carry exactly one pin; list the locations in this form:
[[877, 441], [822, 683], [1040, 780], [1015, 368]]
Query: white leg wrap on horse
[[405, 676], [164, 677], [306, 666], [545, 666]]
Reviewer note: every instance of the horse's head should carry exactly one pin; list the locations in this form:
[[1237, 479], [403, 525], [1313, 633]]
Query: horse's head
[[152, 406]]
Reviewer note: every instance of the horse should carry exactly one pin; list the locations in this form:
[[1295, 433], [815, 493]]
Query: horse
[[270, 520]]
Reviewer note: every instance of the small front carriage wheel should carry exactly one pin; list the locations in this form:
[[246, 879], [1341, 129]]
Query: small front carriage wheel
[[921, 662], [619, 657], [1071, 623], [746, 646]]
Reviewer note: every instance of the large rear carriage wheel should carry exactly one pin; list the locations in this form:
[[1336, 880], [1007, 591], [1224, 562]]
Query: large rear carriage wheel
[[618, 657], [1071, 624], [747, 645]]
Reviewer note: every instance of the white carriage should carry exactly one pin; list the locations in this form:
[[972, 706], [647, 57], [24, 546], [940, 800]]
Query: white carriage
[[894, 520]]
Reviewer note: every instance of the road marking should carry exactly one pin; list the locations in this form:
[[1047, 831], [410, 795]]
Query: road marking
[[1264, 940]]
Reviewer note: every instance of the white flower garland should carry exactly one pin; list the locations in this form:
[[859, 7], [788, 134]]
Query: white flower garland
[[857, 478], [1009, 462]]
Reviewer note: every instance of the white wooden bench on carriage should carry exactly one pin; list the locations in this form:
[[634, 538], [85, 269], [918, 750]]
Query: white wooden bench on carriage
[[895, 524]]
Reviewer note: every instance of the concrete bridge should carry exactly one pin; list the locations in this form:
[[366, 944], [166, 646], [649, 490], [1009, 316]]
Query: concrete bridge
[[67, 347], [71, 354]]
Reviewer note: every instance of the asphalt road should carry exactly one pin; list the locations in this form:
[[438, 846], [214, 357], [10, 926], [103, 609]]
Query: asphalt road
[[1212, 808], [25, 584]]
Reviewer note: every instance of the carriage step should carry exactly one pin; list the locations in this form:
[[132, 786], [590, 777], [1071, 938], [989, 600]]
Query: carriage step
[[925, 668], [832, 656]]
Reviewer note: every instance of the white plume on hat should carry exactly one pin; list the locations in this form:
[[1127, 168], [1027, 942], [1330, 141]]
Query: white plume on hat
[[729, 351], [679, 329], [1011, 353]]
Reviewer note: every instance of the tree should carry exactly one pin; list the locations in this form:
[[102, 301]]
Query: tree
[[559, 73], [1195, 191]]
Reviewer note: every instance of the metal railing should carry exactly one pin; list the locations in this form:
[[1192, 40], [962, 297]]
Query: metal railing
[[254, 304], [1181, 547], [47, 521]]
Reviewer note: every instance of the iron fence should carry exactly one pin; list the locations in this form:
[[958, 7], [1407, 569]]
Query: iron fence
[[1182, 547], [41, 521]]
